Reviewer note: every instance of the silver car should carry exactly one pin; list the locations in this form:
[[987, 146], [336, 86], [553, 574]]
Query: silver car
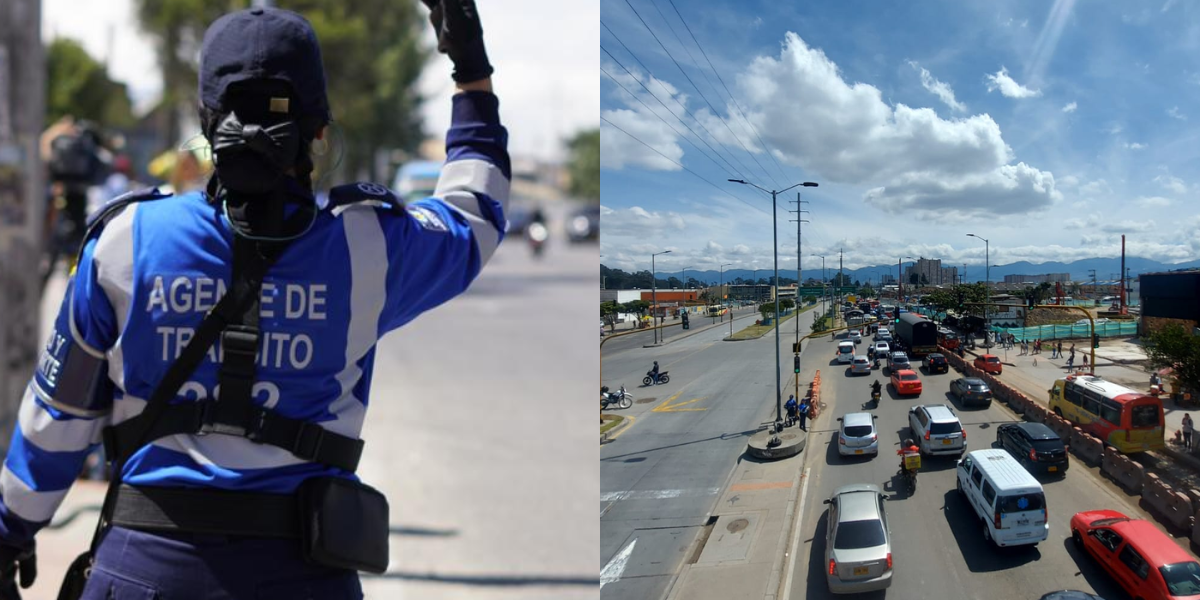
[[857, 436], [898, 361], [858, 547], [860, 365]]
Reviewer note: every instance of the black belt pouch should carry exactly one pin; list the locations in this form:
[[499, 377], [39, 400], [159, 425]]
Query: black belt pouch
[[345, 524]]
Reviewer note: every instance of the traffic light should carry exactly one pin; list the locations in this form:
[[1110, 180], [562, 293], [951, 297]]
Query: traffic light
[[797, 363], [1095, 340]]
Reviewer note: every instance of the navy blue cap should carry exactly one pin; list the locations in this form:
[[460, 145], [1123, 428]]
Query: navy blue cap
[[263, 43]]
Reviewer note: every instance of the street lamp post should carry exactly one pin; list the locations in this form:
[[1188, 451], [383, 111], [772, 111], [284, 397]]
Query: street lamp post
[[987, 254], [721, 289], [823, 290], [654, 290], [775, 243]]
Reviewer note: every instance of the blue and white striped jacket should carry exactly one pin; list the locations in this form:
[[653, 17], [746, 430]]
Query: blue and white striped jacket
[[146, 279]]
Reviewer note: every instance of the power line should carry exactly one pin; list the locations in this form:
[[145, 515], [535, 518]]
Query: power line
[[676, 100], [716, 113], [605, 50], [682, 167], [735, 102]]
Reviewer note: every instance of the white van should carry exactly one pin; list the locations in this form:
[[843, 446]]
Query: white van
[[1008, 500], [845, 352]]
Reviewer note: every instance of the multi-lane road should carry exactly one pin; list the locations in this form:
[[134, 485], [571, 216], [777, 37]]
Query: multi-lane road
[[660, 478], [662, 475]]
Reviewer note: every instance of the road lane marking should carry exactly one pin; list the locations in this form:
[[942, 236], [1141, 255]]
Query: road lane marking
[[615, 567], [666, 405], [658, 494], [749, 487], [797, 521]]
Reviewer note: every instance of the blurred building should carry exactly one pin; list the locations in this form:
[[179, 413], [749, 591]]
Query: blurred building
[[1172, 297], [1044, 278]]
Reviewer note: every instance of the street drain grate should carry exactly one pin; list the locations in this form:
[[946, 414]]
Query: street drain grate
[[702, 539], [737, 525], [645, 400]]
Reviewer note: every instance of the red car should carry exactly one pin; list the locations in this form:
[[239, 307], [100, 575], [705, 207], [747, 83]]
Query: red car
[[905, 381], [1145, 561], [989, 363]]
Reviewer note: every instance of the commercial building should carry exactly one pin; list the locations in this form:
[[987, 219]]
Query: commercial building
[[1172, 297]]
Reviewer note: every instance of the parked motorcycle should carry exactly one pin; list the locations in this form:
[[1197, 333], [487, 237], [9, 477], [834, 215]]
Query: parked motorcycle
[[619, 398], [662, 378], [537, 235]]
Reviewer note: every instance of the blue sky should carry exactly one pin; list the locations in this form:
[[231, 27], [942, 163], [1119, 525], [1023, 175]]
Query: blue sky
[[1050, 128]]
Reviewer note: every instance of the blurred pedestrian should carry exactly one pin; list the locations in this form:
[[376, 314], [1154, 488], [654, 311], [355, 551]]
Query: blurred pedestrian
[[235, 478], [1059, 347], [1188, 428]]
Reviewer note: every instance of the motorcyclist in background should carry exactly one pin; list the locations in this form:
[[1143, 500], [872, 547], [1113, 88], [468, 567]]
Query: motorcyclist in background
[[875, 385], [907, 448], [654, 372]]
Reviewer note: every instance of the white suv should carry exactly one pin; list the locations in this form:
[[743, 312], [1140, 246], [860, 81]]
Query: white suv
[[937, 430]]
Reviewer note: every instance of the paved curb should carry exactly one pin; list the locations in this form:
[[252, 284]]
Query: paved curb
[[623, 425], [774, 588]]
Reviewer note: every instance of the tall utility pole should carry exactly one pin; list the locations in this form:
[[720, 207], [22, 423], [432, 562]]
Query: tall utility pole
[[841, 281], [22, 112], [1094, 284], [799, 278], [775, 242]]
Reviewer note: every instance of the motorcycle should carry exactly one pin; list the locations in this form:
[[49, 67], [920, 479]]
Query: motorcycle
[[909, 474], [910, 477], [875, 398], [662, 378], [619, 398], [537, 235]]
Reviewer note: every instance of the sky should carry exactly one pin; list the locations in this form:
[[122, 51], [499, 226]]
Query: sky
[[545, 76], [1048, 128]]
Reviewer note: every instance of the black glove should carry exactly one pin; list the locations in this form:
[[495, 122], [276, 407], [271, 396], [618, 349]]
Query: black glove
[[460, 36], [13, 560]]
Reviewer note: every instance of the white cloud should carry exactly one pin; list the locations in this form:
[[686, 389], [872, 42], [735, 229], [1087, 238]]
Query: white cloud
[[938, 88], [1095, 223], [1070, 108], [1153, 201], [1093, 188], [1001, 81], [637, 222], [1069, 181], [617, 149], [917, 160], [1135, 146], [1114, 129], [1171, 183], [1174, 113]]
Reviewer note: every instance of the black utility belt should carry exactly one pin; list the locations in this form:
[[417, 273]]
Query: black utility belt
[[340, 523]]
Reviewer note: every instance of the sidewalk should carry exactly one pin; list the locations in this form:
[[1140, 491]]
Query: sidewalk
[[743, 554]]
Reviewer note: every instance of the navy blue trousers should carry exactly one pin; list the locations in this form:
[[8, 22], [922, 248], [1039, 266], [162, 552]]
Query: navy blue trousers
[[135, 564]]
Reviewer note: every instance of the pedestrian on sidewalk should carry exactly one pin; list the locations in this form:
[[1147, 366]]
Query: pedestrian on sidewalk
[[804, 405], [368, 263], [1188, 428], [1053, 351], [1071, 362], [1085, 359], [1059, 347]]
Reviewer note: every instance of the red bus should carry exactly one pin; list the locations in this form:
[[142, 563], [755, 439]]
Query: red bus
[[1125, 419]]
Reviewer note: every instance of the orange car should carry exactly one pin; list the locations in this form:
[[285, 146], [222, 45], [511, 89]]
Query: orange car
[[989, 363], [905, 381]]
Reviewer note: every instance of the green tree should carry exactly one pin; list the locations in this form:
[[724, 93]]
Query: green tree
[[583, 166], [786, 303], [866, 291], [608, 311], [638, 307], [372, 54], [78, 85], [1175, 347]]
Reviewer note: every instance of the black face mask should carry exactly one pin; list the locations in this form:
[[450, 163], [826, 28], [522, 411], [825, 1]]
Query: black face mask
[[252, 158]]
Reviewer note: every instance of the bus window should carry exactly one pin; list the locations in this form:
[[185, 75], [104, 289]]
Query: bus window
[[1071, 394], [1091, 403], [1145, 415], [1110, 411]]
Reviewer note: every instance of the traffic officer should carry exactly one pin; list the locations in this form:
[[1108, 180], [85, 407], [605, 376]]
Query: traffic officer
[[221, 341]]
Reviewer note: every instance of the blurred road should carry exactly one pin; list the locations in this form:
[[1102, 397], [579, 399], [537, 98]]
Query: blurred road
[[480, 432], [937, 540]]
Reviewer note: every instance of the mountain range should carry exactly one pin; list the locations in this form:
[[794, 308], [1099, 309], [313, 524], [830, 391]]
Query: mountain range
[[1106, 269]]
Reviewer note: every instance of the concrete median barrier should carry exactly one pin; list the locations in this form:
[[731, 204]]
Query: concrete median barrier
[[1087, 447], [1172, 506], [1128, 474], [1060, 426]]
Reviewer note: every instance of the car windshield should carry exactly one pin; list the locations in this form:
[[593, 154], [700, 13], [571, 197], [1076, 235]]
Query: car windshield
[[993, 359], [979, 387], [858, 431], [944, 428], [908, 377], [1047, 445], [936, 359], [853, 535], [1021, 503], [1183, 579], [1145, 415]]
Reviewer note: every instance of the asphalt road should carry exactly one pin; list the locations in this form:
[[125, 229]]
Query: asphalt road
[[480, 432], [938, 548], [660, 477]]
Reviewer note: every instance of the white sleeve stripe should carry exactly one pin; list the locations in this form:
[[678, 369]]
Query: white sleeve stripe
[[25, 503], [42, 430], [486, 235], [367, 249], [114, 262], [473, 175]]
